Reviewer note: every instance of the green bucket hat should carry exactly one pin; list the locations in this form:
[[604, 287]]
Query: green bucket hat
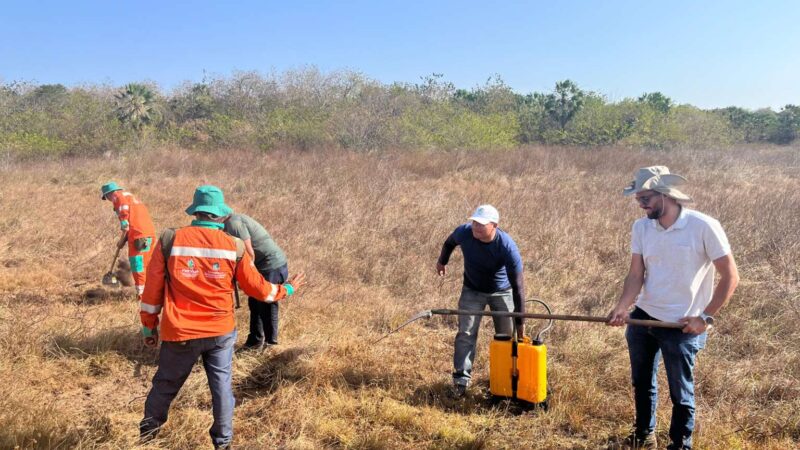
[[209, 199], [108, 188]]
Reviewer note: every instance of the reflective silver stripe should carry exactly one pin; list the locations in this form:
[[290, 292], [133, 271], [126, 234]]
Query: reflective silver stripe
[[199, 252], [272, 294], [127, 194], [124, 207], [148, 308]]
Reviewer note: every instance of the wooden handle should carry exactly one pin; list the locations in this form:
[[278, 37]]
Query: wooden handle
[[114, 261], [639, 322]]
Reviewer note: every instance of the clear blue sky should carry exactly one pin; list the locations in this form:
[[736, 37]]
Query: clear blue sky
[[707, 53]]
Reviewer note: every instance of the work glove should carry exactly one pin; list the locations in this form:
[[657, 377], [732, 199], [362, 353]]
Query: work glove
[[150, 337]]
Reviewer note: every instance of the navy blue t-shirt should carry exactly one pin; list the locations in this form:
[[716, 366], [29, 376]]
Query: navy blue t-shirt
[[488, 267]]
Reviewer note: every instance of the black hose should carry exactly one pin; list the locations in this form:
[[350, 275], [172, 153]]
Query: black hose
[[550, 323]]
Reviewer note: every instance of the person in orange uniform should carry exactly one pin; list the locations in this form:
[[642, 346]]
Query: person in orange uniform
[[137, 230], [193, 291]]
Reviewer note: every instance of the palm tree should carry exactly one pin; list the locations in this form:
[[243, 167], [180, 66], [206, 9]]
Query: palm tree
[[137, 106], [564, 102]]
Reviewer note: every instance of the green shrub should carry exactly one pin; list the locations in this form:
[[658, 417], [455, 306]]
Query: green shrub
[[29, 145], [219, 131], [700, 129], [297, 127], [446, 126]]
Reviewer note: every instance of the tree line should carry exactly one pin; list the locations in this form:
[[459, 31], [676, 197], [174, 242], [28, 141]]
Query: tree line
[[307, 108]]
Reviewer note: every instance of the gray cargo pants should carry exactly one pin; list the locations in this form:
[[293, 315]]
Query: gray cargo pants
[[468, 327]]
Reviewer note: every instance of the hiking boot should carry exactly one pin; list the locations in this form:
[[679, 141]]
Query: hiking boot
[[637, 441], [459, 390], [252, 347], [147, 435]]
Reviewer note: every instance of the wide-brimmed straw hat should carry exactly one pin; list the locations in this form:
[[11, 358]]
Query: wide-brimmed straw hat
[[658, 178]]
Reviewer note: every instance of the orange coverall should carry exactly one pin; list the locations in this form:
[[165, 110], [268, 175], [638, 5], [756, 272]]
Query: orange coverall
[[134, 218]]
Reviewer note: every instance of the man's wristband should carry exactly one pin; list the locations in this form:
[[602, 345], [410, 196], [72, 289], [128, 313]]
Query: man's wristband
[[147, 332], [289, 289]]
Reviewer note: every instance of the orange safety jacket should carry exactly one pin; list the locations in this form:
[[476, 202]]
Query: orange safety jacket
[[133, 216], [196, 297]]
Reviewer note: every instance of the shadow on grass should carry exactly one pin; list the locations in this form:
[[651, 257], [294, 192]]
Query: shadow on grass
[[273, 370], [478, 399], [101, 295], [120, 341]]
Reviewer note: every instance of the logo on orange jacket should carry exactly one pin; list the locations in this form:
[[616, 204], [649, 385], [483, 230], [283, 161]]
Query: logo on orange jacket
[[190, 272], [214, 273]]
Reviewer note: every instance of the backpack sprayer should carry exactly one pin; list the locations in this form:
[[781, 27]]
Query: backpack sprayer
[[518, 367]]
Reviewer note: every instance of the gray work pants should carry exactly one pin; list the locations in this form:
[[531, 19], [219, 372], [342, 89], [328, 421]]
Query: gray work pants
[[468, 326]]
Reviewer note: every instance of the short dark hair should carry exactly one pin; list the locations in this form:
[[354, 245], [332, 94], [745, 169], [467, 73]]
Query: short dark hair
[[207, 216]]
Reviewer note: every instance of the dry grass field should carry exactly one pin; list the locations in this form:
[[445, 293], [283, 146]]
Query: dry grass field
[[367, 229]]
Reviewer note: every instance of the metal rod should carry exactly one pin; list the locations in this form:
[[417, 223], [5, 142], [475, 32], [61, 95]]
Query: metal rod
[[417, 316], [639, 322]]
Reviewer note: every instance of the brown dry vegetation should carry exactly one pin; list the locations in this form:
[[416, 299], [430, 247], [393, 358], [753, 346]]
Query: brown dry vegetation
[[367, 229]]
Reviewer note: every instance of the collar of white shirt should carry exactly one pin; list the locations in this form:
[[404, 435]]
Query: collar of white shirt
[[678, 225]]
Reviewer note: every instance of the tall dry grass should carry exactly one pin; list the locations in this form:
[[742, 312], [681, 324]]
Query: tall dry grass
[[367, 229]]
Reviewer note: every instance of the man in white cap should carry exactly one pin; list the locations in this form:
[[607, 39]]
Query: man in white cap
[[675, 252], [492, 276]]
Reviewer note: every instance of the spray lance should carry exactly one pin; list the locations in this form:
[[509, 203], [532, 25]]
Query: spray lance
[[427, 314]]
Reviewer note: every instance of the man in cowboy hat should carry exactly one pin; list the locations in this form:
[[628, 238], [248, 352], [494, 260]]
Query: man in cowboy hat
[[193, 285], [675, 252], [492, 276], [137, 230]]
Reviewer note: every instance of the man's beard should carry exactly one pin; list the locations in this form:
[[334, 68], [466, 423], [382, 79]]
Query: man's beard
[[655, 213]]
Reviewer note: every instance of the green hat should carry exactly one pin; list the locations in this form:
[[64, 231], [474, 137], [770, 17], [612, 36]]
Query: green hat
[[108, 188], [209, 199]]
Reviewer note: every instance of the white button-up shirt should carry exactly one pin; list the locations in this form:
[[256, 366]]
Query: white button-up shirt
[[678, 261]]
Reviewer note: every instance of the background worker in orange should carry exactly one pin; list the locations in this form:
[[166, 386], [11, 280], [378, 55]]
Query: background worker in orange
[[137, 230], [193, 289]]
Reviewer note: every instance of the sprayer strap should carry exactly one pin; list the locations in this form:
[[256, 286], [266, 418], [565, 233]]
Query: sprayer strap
[[167, 238]]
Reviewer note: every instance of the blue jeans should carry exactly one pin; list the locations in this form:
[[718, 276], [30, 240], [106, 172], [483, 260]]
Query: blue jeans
[[678, 349], [263, 315], [175, 363], [468, 327]]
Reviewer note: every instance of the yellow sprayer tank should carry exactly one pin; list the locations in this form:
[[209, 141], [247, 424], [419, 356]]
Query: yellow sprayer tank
[[518, 369], [532, 366], [501, 367]]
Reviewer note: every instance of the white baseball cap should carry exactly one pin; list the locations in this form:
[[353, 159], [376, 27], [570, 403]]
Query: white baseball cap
[[485, 214]]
